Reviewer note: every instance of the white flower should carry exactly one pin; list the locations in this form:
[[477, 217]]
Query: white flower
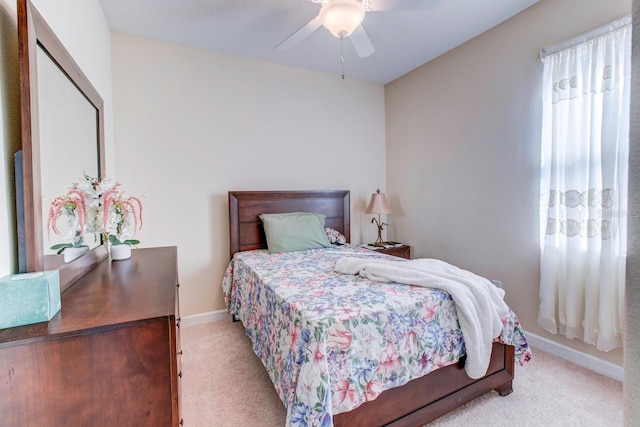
[[106, 185]]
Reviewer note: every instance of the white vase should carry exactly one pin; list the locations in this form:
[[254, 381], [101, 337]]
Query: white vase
[[120, 252], [74, 252]]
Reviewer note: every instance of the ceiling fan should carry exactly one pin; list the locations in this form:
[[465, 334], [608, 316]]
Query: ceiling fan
[[343, 18]]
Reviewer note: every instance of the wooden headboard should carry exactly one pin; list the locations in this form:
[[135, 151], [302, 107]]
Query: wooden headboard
[[245, 228]]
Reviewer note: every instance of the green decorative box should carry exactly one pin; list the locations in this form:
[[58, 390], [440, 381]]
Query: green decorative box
[[29, 298]]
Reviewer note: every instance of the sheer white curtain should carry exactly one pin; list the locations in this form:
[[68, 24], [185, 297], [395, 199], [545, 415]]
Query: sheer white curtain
[[585, 141]]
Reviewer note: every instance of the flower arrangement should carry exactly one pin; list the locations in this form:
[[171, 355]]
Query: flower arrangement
[[73, 206], [95, 205]]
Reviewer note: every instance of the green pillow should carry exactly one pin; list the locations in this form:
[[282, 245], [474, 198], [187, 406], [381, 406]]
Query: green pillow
[[294, 231]]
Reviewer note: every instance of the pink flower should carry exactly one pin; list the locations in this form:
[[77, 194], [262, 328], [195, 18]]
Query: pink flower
[[339, 337], [316, 353], [440, 361], [259, 322], [295, 336], [348, 312], [409, 343], [72, 204], [317, 292], [344, 394], [389, 361], [372, 390], [125, 207], [430, 311]]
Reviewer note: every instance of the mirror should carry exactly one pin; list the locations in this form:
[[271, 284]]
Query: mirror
[[66, 119], [62, 136]]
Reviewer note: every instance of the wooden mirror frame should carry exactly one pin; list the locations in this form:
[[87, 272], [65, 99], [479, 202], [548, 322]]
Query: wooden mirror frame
[[33, 31]]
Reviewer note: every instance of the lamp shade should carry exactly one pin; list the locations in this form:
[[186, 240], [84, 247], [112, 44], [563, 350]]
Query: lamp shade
[[341, 17], [378, 204]]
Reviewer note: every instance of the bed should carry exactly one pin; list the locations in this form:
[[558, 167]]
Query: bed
[[411, 399]]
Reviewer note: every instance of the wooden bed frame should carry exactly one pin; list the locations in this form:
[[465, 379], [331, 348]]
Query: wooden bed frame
[[421, 400]]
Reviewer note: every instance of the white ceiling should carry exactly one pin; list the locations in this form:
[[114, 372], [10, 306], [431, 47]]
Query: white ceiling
[[403, 40]]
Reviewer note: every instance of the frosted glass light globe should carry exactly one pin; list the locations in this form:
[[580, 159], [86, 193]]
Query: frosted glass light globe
[[342, 17]]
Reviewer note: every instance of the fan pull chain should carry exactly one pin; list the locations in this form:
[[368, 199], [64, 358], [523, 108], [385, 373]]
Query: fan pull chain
[[342, 54]]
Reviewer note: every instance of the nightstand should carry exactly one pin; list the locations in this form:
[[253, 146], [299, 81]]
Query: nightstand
[[402, 251]]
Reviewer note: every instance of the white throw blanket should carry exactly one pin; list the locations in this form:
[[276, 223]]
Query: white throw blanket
[[479, 304]]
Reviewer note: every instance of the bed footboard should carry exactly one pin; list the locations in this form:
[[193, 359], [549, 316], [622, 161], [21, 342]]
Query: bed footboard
[[425, 399]]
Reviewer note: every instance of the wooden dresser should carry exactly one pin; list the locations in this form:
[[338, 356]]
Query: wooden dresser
[[110, 357]]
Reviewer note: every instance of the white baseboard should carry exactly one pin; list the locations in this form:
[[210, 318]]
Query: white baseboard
[[600, 366], [202, 318]]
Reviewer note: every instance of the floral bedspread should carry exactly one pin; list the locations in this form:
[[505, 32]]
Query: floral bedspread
[[331, 342]]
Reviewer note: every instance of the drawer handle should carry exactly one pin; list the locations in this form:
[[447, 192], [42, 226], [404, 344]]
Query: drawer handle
[[181, 421], [180, 353], [177, 285], [180, 374], [178, 323]]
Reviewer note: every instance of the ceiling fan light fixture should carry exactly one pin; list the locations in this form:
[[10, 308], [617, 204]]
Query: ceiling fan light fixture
[[342, 17]]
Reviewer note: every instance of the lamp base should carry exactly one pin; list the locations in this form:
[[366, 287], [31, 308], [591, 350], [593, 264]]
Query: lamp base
[[379, 242]]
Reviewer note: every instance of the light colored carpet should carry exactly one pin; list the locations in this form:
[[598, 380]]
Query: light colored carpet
[[225, 384]]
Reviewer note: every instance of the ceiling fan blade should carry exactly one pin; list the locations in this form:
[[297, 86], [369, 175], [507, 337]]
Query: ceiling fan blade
[[299, 35], [361, 42], [386, 5]]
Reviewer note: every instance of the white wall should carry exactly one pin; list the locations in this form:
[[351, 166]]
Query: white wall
[[463, 151], [192, 125], [632, 294]]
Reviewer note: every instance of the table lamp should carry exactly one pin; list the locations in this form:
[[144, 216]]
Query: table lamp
[[378, 205]]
